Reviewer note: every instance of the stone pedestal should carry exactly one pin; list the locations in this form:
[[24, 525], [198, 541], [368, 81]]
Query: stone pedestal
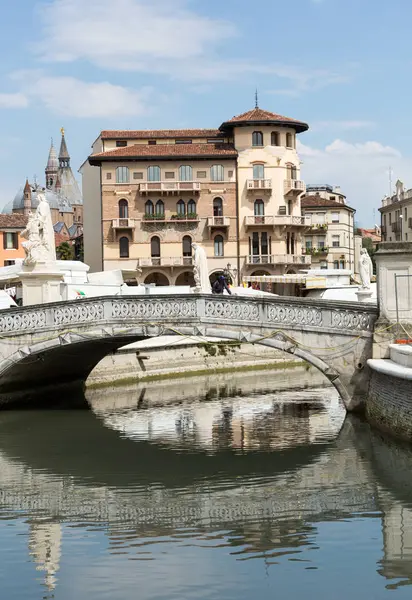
[[364, 295], [41, 283]]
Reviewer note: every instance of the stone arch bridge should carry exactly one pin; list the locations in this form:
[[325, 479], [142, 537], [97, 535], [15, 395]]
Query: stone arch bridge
[[45, 349]]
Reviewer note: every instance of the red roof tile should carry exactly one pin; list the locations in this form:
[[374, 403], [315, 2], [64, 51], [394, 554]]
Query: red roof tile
[[161, 133], [258, 115], [314, 201], [13, 221], [166, 151]]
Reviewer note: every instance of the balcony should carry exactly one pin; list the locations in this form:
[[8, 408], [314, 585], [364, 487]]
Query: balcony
[[323, 251], [220, 222], [280, 221], [319, 227], [170, 187], [159, 221], [259, 184], [396, 227], [278, 259], [293, 187], [123, 223], [161, 261]]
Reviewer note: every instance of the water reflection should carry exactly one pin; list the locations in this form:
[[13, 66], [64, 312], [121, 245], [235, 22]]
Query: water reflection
[[221, 480]]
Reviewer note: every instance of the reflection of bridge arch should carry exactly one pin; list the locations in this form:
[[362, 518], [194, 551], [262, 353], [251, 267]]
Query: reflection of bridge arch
[[62, 343]]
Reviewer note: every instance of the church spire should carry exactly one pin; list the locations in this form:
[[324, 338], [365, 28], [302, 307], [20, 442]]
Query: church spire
[[52, 167], [64, 156]]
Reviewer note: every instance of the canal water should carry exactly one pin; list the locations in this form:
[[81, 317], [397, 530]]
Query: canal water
[[232, 487]]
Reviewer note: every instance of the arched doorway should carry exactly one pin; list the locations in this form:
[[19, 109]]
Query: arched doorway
[[186, 278], [157, 278]]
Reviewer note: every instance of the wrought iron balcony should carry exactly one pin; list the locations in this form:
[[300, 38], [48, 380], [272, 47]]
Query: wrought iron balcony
[[123, 223], [278, 259], [169, 187], [293, 186], [259, 184]]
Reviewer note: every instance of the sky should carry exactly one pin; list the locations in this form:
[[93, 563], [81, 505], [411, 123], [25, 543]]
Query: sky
[[342, 66]]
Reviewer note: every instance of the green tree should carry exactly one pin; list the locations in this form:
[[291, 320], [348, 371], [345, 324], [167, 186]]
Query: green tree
[[65, 251]]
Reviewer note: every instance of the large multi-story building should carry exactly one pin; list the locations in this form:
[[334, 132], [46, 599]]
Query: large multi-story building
[[330, 240], [236, 190], [396, 215]]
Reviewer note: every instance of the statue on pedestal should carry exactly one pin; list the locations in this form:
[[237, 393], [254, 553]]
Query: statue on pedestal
[[365, 269], [40, 247], [200, 270]]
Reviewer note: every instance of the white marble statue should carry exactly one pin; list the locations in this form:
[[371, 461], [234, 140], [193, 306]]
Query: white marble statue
[[39, 233], [365, 269], [200, 269]]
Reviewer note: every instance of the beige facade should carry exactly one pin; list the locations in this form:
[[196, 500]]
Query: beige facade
[[396, 216], [236, 190], [330, 240]]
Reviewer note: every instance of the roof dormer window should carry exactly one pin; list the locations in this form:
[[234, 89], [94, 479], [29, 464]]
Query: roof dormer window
[[121, 143]]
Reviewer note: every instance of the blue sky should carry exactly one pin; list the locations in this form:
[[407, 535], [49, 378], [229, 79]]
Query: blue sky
[[343, 66]]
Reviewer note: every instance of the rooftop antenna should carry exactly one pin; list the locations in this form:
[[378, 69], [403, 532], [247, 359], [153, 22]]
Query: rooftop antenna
[[390, 182], [256, 99]]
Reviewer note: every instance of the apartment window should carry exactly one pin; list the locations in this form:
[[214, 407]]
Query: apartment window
[[318, 218], [335, 217], [218, 245], [191, 207], [217, 207], [123, 209], [149, 207], [10, 240], [124, 247], [390, 218], [160, 208], [308, 243], [323, 264], [290, 140], [341, 264], [121, 143], [217, 173], [183, 141], [9, 263], [336, 264], [291, 171], [108, 175], [169, 175], [332, 198], [181, 208], [187, 245], [201, 174], [335, 241], [406, 214], [321, 243], [230, 174], [155, 247], [258, 171], [153, 173], [185, 173], [259, 208], [137, 175], [260, 247], [257, 138], [122, 175], [152, 142], [274, 138]]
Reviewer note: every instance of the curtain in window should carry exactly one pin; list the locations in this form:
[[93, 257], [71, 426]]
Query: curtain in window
[[217, 173], [185, 173], [123, 209], [153, 173]]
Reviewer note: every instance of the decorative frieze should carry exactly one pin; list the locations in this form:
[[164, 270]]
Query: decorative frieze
[[233, 310], [295, 315], [79, 312], [347, 319], [24, 321]]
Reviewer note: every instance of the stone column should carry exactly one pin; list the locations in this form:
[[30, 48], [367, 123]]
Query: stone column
[[41, 283]]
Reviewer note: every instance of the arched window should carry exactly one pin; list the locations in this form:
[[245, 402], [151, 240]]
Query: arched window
[[185, 173], [124, 247], [289, 140], [123, 209], [155, 247], [149, 209], [181, 208], [187, 245], [217, 173], [153, 173], [122, 175], [258, 171], [217, 207], [191, 208], [259, 208], [160, 208], [257, 138], [218, 245], [274, 138]]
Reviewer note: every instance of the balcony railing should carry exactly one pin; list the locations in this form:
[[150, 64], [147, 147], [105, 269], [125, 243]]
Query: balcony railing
[[123, 223], [218, 222], [170, 186], [293, 186], [319, 227], [161, 261], [278, 259], [272, 220], [259, 184], [316, 251]]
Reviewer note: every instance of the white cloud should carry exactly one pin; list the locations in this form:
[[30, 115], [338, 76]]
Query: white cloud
[[360, 169], [76, 98], [17, 100]]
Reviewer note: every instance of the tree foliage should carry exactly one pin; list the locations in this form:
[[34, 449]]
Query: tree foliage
[[65, 251]]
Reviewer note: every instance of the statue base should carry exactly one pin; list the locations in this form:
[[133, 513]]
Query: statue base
[[41, 283], [364, 294]]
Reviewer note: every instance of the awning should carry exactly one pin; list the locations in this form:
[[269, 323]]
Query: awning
[[305, 280]]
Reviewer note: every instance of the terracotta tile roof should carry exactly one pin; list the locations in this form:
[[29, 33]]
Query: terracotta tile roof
[[315, 201], [127, 134], [167, 151], [14, 220], [258, 115], [370, 233]]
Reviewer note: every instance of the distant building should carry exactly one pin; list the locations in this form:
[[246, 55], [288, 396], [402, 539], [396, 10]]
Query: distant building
[[330, 240], [10, 242], [396, 215], [374, 235]]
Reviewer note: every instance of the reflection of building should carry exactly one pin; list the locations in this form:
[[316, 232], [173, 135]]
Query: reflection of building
[[396, 215], [45, 548], [235, 189], [330, 239]]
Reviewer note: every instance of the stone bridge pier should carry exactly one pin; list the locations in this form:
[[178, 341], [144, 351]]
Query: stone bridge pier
[[48, 351]]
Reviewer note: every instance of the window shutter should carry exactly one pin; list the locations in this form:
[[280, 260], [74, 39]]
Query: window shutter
[[4, 240]]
